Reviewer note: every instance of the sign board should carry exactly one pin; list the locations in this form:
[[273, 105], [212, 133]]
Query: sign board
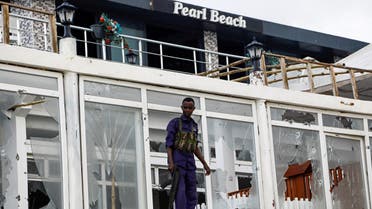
[[208, 14]]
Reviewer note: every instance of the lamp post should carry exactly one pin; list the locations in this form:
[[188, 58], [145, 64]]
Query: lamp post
[[66, 13], [131, 57], [254, 50]]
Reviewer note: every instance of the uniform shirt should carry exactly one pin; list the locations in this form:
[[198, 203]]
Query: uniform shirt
[[180, 158]]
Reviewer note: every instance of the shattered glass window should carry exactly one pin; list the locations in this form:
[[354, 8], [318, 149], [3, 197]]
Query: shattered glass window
[[115, 150], [244, 181], [346, 173], [112, 91], [294, 148], [174, 100], [44, 161], [231, 141], [294, 116], [43, 131], [342, 122], [158, 122], [228, 107]]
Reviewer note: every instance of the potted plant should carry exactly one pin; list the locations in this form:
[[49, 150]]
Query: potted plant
[[97, 31], [107, 29]]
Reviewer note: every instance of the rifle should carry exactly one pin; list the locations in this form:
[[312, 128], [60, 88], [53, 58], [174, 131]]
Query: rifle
[[174, 186]]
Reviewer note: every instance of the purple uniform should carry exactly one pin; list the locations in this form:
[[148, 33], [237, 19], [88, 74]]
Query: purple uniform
[[186, 196]]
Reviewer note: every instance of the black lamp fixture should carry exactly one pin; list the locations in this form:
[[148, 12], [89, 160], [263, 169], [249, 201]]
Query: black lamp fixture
[[254, 50], [131, 57], [66, 13]]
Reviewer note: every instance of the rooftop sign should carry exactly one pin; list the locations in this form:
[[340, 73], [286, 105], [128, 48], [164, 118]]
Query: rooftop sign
[[208, 15]]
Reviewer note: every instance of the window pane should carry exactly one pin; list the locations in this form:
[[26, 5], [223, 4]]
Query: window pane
[[114, 140], [174, 100], [44, 161], [370, 125], [346, 173], [298, 166], [228, 107], [112, 91], [23, 79], [231, 141], [158, 122], [293, 116], [342, 122], [244, 182]]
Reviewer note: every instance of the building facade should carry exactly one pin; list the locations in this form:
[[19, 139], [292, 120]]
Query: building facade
[[80, 132]]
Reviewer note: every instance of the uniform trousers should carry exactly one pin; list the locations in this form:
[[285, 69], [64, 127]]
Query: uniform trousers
[[186, 196]]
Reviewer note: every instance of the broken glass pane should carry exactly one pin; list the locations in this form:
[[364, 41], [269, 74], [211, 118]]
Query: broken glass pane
[[244, 181], [228, 107], [346, 173], [174, 100], [43, 131], [7, 134], [42, 128], [112, 91], [231, 141], [342, 122], [293, 148], [114, 139], [295, 116]]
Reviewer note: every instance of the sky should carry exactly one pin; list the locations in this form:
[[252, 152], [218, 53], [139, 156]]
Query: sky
[[346, 18]]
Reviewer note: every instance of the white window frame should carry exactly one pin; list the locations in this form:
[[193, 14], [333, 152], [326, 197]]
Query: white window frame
[[58, 94]]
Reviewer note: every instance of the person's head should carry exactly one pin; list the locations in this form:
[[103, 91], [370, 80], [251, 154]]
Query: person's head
[[188, 106]]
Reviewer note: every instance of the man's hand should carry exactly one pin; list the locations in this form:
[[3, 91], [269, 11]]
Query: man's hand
[[207, 169], [171, 167]]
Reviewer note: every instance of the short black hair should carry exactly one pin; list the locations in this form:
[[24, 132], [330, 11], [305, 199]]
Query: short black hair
[[188, 99]]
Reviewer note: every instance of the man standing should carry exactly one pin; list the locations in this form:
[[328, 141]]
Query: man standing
[[181, 143]]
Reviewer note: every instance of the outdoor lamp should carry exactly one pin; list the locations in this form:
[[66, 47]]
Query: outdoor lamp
[[66, 13], [254, 50], [131, 57]]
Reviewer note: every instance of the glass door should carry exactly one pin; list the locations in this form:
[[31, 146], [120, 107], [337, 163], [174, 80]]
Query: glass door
[[346, 168]]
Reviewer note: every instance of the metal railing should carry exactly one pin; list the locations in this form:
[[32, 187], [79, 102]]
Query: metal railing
[[286, 72], [197, 60], [16, 29]]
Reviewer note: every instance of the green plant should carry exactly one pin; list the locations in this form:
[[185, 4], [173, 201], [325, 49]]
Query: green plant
[[112, 30]]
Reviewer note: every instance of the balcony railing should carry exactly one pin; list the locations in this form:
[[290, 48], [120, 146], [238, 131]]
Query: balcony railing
[[152, 53], [304, 75], [38, 29]]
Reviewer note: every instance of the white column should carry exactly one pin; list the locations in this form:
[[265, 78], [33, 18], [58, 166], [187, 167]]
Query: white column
[[17, 192], [267, 170], [67, 48], [255, 78]]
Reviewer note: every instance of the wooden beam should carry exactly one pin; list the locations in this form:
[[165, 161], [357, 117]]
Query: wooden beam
[[294, 59], [354, 84], [231, 72], [284, 73], [224, 67], [53, 32], [263, 66], [244, 78], [310, 77], [333, 81], [6, 27]]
